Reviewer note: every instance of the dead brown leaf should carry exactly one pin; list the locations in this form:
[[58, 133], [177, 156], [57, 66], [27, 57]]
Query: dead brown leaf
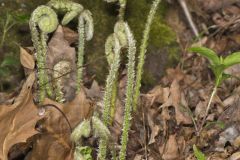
[[18, 120], [155, 129], [170, 151], [177, 100], [213, 5], [60, 52], [26, 59], [55, 143], [70, 35]]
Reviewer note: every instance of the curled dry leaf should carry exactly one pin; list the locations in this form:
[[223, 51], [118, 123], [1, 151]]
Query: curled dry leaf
[[155, 129], [26, 59], [213, 5], [19, 119], [177, 100], [170, 150], [55, 143], [235, 156]]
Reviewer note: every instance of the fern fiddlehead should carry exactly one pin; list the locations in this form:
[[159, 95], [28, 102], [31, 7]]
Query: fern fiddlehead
[[42, 22], [72, 9], [112, 50], [85, 31], [123, 36], [85, 28]]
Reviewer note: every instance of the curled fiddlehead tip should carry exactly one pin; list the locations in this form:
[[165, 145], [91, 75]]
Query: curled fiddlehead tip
[[86, 16], [112, 46], [119, 30], [99, 129], [82, 130], [45, 18], [72, 9]]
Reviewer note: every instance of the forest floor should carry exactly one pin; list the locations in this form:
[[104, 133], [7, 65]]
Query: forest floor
[[167, 123]]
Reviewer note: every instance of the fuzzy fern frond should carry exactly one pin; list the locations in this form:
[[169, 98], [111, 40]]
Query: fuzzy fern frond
[[85, 32], [113, 53], [72, 9], [43, 21], [143, 50], [129, 91]]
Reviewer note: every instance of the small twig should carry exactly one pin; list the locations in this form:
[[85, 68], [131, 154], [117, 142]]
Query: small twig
[[71, 71], [63, 114], [208, 107], [145, 135], [189, 17]]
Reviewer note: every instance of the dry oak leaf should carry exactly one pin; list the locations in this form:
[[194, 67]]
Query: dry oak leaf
[[60, 53], [170, 151], [177, 99], [17, 121], [55, 143], [26, 59]]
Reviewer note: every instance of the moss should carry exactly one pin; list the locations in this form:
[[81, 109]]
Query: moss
[[163, 47], [161, 34], [148, 79], [162, 37], [105, 16]]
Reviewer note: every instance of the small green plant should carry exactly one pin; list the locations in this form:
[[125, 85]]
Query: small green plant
[[217, 65], [198, 154], [9, 64], [87, 127], [11, 20], [83, 153]]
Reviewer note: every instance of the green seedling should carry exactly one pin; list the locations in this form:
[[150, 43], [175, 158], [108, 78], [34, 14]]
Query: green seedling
[[219, 124], [198, 154], [83, 153], [217, 64], [9, 64], [11, 20]]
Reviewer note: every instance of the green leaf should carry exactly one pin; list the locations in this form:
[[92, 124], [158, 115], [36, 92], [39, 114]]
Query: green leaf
[[232, 59], [83, 153], [217, 69], [22, 18], [198, 154], [208, 53], [9, 61], [4, 71], [219, 124]]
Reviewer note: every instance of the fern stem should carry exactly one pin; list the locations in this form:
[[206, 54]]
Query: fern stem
[[142, 53], [81, 46], [208, 108], [43, 41], [129, 92], [114, 44], [46, 20], [114, 98], [122, 9]]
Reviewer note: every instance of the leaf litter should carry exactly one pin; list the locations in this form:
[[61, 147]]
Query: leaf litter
[[166, 124]]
